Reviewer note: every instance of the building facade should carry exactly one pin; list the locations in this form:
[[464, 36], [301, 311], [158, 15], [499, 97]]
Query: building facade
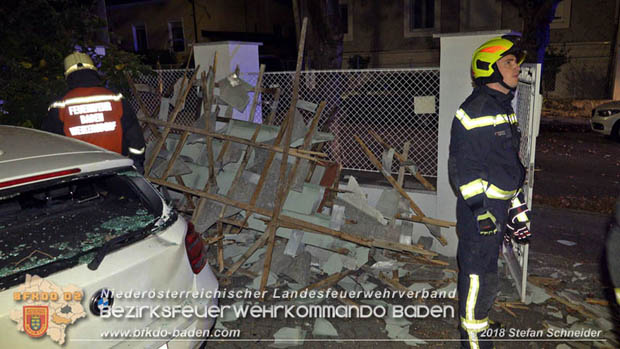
[[173, 25], [383, 33]]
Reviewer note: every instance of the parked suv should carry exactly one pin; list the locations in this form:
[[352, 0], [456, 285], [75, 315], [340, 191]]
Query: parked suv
[[606, 119], [76, 214]]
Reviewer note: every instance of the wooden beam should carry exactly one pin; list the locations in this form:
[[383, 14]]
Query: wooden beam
[[428, 220], [284, 185], [294, 223], [402, 159], [257, 90], [273, 148], [167, 125], [398, 188], [328, 281]]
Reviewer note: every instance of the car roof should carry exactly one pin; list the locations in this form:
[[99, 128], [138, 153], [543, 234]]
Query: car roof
[[26, 152]]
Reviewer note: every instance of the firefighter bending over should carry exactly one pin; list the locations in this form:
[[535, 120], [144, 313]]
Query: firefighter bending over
[[487, 174], [95, 114]]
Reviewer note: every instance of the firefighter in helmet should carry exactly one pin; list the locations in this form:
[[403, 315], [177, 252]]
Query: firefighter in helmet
[[95, 114], [487, 175]]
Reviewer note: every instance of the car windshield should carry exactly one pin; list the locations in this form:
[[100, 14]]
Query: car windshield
[[45, 228]]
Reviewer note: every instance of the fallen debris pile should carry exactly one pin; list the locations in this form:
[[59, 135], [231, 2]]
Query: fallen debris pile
[[245, 184], [270, 204]]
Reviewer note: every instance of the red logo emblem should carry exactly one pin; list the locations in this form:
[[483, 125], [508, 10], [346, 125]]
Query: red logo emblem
[[35, 320]]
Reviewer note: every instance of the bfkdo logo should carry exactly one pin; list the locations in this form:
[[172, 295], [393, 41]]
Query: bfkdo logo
[[46, 309], [35, 320]]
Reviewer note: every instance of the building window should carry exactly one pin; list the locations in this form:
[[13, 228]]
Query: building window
[[561, 19], [177, 38], [421, 17], [421, 14], [346, 19], [140, 43]]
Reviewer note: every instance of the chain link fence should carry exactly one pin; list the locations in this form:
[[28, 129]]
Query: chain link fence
[[523, 110], [382, 100]]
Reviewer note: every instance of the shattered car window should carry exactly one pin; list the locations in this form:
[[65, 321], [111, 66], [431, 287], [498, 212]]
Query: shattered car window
[[45, 229]]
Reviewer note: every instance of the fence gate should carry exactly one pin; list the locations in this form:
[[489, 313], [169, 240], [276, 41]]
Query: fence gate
[[529, 103]]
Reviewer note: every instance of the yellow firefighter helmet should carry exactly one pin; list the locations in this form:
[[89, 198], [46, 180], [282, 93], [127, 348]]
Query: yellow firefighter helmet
[[77, 61]]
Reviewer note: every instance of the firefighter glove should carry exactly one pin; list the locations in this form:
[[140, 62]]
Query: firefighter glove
[[508, 236], [519, 231], [486, 223], [518, 212]]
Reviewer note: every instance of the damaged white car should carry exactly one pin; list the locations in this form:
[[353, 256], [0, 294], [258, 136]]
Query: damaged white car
[[75, 218]]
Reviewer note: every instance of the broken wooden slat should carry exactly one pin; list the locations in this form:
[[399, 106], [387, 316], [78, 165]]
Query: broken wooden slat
[[273, 148], [284, 185], [394, 284], [401, 170], [274, 107], [401, 191], [597, 301], [175, 155], [167, 128], [250, 251], [420, 219], [234, 222], [247, 154], [207, 102], [188, 198], [505, 308], [328, 281], [243, 272], [294, 223], [579, 308], [212, 239], [544, 280], [220, 248], [207, 99], [402, 159], [348, 301], [257, 89]]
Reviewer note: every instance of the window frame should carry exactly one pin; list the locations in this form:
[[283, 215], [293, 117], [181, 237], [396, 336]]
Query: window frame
[[409, 33], [134, 29], [562, 15], [171, 35], [348, 36]]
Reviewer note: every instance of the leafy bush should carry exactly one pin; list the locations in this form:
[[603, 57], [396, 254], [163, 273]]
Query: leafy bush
[[36, 36]]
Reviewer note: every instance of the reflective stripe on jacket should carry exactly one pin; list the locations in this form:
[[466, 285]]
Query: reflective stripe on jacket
[[484, 148], [93, 115]]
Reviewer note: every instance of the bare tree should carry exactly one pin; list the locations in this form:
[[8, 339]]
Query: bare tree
[[537, 15], [325, 32]]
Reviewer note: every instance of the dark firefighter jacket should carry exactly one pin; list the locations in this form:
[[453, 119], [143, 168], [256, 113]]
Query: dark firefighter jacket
[[96, 115], [484, 149]]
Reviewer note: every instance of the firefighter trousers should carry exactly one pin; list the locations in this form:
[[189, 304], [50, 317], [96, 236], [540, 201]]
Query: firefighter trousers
[[478, 275]]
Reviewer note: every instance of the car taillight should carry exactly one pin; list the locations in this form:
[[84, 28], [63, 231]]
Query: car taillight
[[39, 177], [195, 249]]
